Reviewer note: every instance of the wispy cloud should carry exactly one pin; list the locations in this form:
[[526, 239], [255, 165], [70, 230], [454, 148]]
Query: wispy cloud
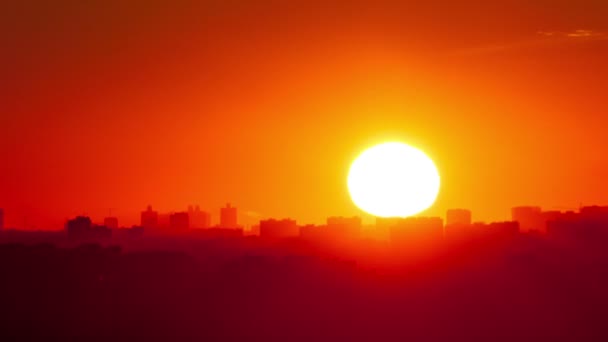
[[542, 39], [251, 213], [580, 33], [546, 33]]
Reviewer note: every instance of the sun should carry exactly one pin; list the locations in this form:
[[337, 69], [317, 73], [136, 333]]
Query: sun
[[393, 180]]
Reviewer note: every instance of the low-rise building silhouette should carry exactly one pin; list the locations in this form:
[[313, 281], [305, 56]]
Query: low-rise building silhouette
[[111, 222], [81, 228], [506, 228], [529, 218], [417, 231], [596, 214], [279, 229], [179, 221], [218, 233], [100, 232], [344, 228], [589, 225], [458, 217], [312, 232], [78, 226]]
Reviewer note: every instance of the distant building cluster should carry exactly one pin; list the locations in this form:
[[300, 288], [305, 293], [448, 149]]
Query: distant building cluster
[[194, 218], [82, 228], [588, 222]]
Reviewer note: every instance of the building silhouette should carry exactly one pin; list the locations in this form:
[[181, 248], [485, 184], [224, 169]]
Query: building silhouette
[[312, 232], [164, 221], [111, 222], [228, 217], [279, 229], [218, 233], [415, 235], [179, 221], [504, 229], [149, 219], [383, 227], [458, 224], [482, 288], [548, 216], [386, 223], [82, 228], [134, 232], [78, 226], [529, 218], [595, 214], [344, 227], [99, 232], [458, 217], [199, 219], [565, 224], [589, 225]]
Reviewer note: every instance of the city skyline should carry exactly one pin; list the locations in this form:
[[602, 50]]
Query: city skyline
[[304, 170], [29, 220], [530, 218]]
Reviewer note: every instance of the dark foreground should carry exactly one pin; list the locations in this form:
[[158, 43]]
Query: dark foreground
[[240, 290]]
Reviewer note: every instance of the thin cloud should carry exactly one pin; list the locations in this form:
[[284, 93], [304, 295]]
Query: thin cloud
[[251, 213], [542, 39], [546, 33], [581, 33]]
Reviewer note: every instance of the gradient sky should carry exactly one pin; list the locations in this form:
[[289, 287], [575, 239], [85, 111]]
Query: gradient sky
[[120, 104]]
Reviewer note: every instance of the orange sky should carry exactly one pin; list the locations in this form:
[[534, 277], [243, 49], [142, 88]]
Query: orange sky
[[265, 104]]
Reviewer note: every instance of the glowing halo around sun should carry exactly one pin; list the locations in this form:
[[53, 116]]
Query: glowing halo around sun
[[393, 180]]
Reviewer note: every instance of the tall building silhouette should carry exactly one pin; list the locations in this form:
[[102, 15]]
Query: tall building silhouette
[[228, 217], [149, 219], [1, 218], [111, 222], [198, 218], [458, 217]]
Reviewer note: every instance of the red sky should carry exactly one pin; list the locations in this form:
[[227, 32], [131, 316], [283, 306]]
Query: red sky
[[116, 104]]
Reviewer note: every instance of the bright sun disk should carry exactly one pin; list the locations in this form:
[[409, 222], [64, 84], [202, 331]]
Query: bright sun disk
[[393, 180]]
